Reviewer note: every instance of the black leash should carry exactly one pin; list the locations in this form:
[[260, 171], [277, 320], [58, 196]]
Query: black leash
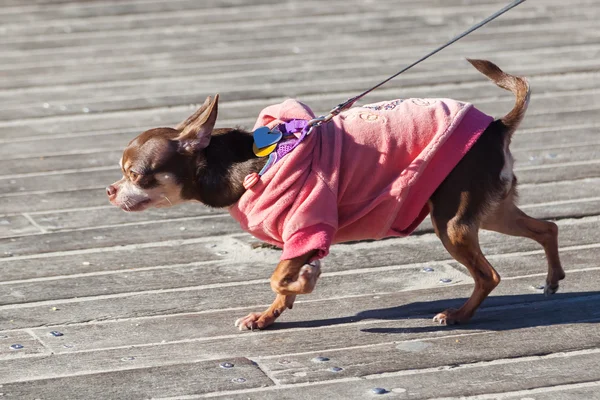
[[348, 103]]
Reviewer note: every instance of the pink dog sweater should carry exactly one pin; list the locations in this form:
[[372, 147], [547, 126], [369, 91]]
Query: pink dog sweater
[[367, 174]]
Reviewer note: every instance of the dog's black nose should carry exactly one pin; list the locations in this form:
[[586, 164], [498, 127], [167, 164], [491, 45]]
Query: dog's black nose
[[111, 191]]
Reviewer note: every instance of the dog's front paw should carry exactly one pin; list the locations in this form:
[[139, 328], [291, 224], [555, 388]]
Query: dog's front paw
[[451, 317], [254, 321]]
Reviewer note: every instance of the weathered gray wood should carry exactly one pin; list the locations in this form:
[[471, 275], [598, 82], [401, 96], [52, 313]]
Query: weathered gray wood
[[193, 299], [53, 201], [138, 17], [63, 162], [203, 226], [111, 215], [578, 170], [179, 92], [187, 63], [452, 70], [575, 391], [417, 355], [33, 165], [457, 381], [208, 298], [235, 268], [116, 258], [378, 34], [30, 345], [191, 91], [101, 177], [16, 225], [143, 383], [360, 325], [146, 301], [552, 138]]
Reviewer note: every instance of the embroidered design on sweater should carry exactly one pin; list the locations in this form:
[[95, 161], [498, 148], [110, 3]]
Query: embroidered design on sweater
[[385, 107]]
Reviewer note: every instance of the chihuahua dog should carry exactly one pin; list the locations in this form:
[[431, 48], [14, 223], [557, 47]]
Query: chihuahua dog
[[339, 184]]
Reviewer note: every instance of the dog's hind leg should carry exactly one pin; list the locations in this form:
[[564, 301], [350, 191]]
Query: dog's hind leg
[[460, 237], [508, 219]]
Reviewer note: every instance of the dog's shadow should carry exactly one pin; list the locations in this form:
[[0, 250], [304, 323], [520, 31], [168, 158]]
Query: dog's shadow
[[498, 313]]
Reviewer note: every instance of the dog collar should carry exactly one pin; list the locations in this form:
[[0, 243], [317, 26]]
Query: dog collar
[[279, 141], [276, 143]]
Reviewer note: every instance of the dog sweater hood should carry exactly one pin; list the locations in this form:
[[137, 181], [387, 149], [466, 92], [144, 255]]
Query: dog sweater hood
[[367, 174]]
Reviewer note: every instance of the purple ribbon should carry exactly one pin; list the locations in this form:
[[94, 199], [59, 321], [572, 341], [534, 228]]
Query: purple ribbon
[[285, 146]]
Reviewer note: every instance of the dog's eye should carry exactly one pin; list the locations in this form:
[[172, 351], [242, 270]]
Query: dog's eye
[[134, 176]]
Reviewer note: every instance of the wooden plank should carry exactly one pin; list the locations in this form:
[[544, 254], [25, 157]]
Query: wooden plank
[[240, 265], [234, 251], [576, 170], [209, 297], [112, 215], [317, 13], [124, 258], [214, 297], [14, 225], [203, 226], [144, 119], [376, 33], [66, 181], [16, 345], [75, 143], [353, 309], [567, 206], [351, 324], [53, 200], [141, 383], [146, 301], [530, 195], [187, 13], [186, 64], [19, 186], [416, 355], [512, 265], [585, 390], [69, 162], [39, 164], [568, 59], [186, 91], [456, 382]]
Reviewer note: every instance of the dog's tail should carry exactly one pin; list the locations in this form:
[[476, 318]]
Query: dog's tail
[[516, 84]]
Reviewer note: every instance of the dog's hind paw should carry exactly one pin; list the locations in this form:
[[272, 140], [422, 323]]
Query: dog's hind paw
[[450, 317], [549, 290]]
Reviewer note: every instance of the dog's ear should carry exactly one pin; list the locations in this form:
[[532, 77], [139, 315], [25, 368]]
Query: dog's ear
[[197, 129]]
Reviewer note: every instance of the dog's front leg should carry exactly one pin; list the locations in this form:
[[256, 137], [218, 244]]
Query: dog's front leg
[[291, 277]]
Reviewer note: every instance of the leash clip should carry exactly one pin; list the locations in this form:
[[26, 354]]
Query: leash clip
[[320, 120]]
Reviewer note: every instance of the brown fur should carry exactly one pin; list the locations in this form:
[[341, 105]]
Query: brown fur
[[209, 166]]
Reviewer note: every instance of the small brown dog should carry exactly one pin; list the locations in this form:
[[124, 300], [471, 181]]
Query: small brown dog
[[195, 162]]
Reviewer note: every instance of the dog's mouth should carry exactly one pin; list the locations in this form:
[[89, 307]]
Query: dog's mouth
[[140, 206]]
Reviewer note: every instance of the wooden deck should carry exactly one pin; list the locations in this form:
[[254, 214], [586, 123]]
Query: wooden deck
[[145, 303]]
